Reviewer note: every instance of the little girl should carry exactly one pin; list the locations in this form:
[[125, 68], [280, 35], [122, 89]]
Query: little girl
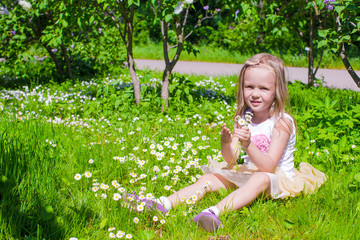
[[267, 134]]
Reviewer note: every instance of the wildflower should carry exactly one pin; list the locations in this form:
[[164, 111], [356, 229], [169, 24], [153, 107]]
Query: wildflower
[[155, 218], [328, 5], [312, 141], [206, 8], [121, 189], [95, 189], [353, 146], [88, 174], [3, 10], [91, 161], [162, 221], [25, 5], [136, 220], [167, 187], [140, 208], [112, 235], [128, 236], [117, 196], [77, 176], [111, 229], [104, 196], [120, 234]]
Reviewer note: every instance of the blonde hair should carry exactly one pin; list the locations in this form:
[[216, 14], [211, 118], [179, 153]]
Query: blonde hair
[[274, 64]]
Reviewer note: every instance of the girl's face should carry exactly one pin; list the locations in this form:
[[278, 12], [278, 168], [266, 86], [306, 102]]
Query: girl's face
[[259, 90]]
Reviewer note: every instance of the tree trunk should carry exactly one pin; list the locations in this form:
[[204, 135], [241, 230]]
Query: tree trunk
[[169, 65], [348, 66], [129, 48], [56, 61], [67, 60], [311, 50], [165, 89]]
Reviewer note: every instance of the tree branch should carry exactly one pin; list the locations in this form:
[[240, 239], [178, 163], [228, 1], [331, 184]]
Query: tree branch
[[348, 66]]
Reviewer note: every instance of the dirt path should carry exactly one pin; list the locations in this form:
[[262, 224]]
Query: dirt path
[[333, 78]]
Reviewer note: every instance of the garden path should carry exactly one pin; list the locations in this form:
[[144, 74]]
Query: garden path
[[333, 78]]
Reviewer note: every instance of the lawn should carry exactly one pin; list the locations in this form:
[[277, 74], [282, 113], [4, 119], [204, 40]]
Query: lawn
[[69, 151]]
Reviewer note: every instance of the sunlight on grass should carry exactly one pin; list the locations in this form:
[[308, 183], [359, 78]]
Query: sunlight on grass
[[68, 155]]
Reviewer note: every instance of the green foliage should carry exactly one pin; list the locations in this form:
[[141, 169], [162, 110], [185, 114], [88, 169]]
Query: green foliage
[[345, 30], [51, 133]]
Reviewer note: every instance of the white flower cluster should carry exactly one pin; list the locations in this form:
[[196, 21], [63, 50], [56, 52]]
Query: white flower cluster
[[25, 5], [180, 5]]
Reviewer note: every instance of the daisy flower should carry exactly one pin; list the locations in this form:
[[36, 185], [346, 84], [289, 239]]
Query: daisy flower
[[116, 196], [88, 174], [120, 234], [136, 220], [77, 176], [155, 218]]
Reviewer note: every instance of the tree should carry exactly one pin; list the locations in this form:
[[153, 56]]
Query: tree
[[345, 31], [57, 26], [174, 17], [121, 14]]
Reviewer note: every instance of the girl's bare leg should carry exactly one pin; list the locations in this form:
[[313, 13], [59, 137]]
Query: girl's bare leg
[[207, 183], [259, 183]]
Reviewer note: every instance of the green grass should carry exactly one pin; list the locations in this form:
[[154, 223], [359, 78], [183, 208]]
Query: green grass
[[49, 133], [211, 54]]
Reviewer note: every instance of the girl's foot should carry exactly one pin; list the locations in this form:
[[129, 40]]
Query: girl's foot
[[208, 221]]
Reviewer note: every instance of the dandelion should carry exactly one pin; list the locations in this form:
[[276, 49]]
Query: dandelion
[[136, 220], [77, 176]]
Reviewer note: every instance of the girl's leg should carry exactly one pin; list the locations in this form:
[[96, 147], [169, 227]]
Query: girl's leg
[[207, 183], [259, 183]]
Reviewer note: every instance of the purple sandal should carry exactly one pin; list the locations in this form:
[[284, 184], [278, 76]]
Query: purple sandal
[[208, 221]]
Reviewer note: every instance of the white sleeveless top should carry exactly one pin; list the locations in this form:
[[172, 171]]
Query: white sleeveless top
[[261, 136]]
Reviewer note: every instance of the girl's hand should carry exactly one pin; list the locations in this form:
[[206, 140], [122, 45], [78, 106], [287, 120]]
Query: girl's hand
[[225, 135], [244, 135]]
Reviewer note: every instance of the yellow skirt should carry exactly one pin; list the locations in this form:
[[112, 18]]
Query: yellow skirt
[[307, 179]]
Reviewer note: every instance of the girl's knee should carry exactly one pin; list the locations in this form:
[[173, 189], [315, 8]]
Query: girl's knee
[[214, 181], [262, 179]]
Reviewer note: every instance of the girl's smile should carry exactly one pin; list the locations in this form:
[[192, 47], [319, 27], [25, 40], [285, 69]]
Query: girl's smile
[[259, 91]]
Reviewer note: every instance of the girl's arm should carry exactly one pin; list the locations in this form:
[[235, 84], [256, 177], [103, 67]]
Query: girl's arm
[[267, 162], [228, 146]]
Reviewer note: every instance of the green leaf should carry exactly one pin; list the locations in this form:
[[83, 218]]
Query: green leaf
[[289, 224], [223, 192], [322, 43], [323, 33], [168, 17], [357, 177], [103, 223]]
